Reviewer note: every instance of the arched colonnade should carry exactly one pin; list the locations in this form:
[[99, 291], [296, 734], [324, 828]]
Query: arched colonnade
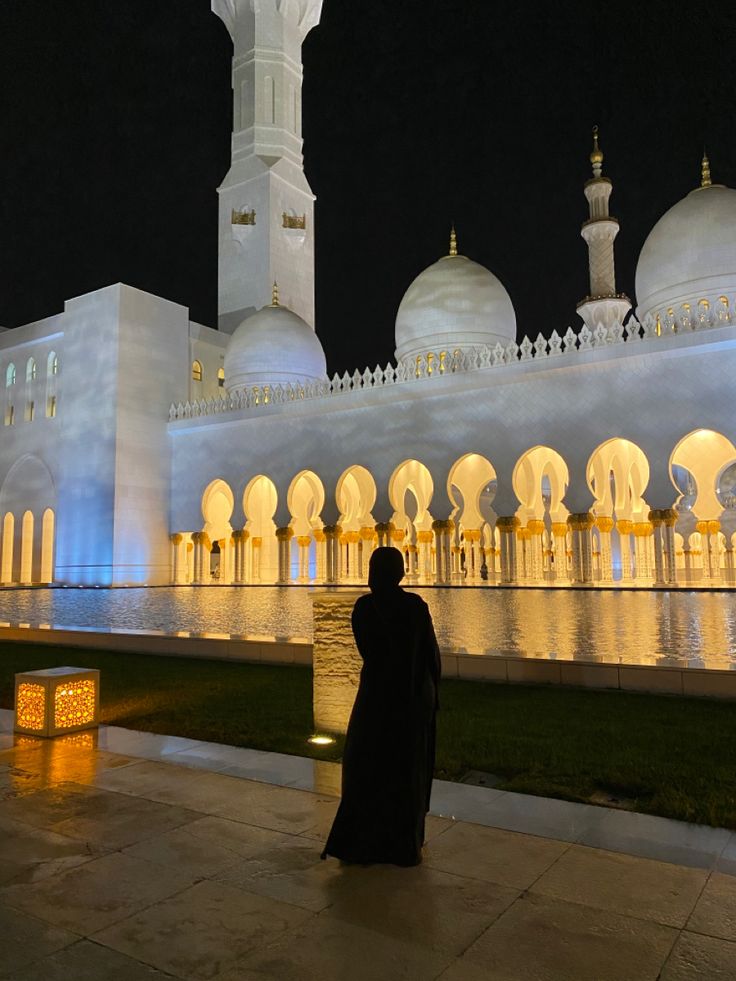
[[620, 539]]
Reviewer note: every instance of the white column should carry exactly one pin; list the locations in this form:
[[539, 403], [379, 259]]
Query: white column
[[332, 548], [582, 547], [604, 524], [625, 528], [559, 534], [284, 536], [507, 527]]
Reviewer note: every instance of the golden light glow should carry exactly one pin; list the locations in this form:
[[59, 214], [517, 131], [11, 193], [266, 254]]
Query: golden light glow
[[321, 740], [31, 706], [74, 704]]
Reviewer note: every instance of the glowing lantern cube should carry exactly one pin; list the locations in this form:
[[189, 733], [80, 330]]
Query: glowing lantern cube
[[57, 700]]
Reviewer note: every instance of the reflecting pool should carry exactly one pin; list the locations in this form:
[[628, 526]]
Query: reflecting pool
[[627, 626]]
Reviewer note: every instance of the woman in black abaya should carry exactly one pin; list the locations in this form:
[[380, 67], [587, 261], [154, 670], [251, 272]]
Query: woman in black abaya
[[389, 748]]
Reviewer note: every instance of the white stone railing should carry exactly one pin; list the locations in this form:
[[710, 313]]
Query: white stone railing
[[434, 365]]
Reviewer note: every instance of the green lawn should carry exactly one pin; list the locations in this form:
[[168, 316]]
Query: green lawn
[[667, 756]]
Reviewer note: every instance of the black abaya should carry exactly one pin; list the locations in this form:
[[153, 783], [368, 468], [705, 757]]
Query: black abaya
[[390, 744]]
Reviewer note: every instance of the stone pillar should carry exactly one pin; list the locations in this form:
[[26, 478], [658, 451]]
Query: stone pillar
[[656, 519], [256, 547], [424, 544], [442, 530], [336, 662], [472, 557], [176, 563], [709, 533], [643, 532], [582, 547], [332, 549], [604, 524], [284, 536], [202, 547], [383, 530], [559, 533], [240, 538], [536, 530], [523, 539], [491, 563], [321, 563], [507, 527], [625, 528], [730, 567], [413, 558], [367, 537], [397, 540], [304, 542], [669, 520]]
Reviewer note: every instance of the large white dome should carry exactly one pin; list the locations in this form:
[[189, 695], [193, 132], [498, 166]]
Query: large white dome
[[273, 347], [689, 256], [456, 304]]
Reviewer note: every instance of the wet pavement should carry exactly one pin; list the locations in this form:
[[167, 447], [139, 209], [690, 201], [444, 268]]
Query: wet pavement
[[129, 856]]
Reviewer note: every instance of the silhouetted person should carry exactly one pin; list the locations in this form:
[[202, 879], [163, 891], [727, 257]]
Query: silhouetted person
[[390, 744]]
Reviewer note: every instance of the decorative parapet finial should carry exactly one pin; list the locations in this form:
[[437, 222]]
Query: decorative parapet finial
[[275, 294], [705, 180], [453, 241], [596, 156]]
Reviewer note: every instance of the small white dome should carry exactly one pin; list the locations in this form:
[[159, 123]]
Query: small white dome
[[456, 304], [273, 347], [690, 255]]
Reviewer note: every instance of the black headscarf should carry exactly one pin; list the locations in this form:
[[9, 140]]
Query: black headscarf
[[386, 569]]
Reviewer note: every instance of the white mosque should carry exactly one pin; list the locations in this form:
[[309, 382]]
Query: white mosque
[[139, 447]]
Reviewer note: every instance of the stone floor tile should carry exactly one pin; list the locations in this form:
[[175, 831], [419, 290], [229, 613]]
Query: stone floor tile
[[202, 932], [88, 961], [541, 816], [50, 806], [422, 906], [290, 870], [145, 745], [116, 820], [28, 854], [715, 911], [91, 897], [26, 939], [496, 856], [207, 846], [697, 958], [330, 950], [624, 884], [547, 939], [657, 838]]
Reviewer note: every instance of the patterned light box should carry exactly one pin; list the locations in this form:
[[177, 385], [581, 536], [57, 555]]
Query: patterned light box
[[57, 700]]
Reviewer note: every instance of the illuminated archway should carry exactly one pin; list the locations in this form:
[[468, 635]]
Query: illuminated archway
[[356, 497], [305, 500], [6, 572], [260, 500], [540, 480], [26, 549], [471, 487], [218, 503], [47, 546], [410, 492]]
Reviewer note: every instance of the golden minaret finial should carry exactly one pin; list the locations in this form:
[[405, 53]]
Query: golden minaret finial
[[275, 294], [453, 241], [596, 157], [705, 180]]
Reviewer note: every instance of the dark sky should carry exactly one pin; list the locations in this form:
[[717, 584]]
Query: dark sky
[[115, 132]]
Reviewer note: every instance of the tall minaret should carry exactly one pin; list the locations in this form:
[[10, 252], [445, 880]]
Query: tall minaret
[[266, 204], [603, 305]]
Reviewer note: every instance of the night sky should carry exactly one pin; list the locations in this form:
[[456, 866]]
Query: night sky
[[115, 132]]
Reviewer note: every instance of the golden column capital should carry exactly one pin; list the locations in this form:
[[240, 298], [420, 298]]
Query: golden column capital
[[524, 535], [624, 526], [425, 537], [332, 531], [581, 521], [714, 527], [471, 534], [559, 528], [241, 535], [604, 523], [304, 541], [535, 526], [176, 539], [367, 533], [643, 529], [257, 542], [397, 535], [508, 524], [318, 535], [384, 528], [670, 516], [285, 534]]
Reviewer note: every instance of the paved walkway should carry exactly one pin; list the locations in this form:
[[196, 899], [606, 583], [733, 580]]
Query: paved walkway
[[128, 856]]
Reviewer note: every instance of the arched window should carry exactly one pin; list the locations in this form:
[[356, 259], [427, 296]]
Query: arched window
[[10, 375], [52, 365], [10, 415], [196, 371], [221, 377], [30, 411], [31, 370], [51, 407]]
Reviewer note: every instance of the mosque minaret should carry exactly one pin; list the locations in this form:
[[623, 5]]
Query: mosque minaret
[[266, 226], [603, 305], [138, 447]]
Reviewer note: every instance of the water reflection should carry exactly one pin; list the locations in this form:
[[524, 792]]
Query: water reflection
[[637, 627]]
